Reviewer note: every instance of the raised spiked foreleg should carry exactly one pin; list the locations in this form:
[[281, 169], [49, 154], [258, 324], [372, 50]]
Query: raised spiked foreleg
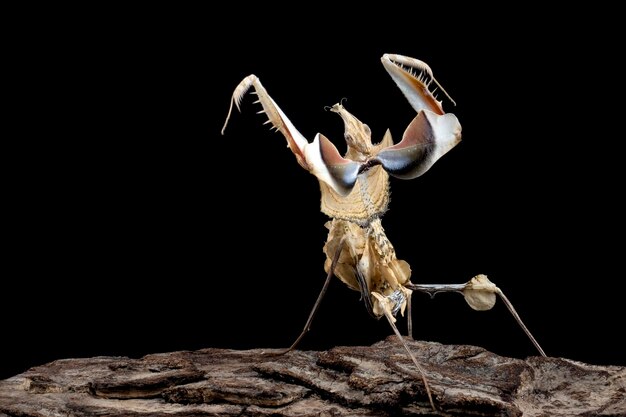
[[296, 142], [414, 78], [319, 157], [432, 132]]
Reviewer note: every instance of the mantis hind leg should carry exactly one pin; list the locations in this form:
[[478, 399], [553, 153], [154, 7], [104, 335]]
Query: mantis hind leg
[[365, 293], [409, 319], [316, 306], [480, 294], [415, 362]]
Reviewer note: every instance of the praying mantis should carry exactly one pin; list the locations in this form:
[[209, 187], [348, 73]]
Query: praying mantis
[[355, 195]]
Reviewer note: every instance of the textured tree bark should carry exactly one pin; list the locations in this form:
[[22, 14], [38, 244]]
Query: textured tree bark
[[378, 380]]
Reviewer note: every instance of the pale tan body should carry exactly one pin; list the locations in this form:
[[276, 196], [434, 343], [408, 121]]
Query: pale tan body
[[357, 249]]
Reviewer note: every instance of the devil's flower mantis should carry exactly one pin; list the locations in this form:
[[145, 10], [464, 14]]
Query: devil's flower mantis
[[355, 195]]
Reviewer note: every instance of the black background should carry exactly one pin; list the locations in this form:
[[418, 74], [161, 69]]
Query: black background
[[140, 229]]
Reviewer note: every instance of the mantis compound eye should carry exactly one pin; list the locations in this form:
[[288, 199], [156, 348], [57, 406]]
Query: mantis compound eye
[[343, 172]]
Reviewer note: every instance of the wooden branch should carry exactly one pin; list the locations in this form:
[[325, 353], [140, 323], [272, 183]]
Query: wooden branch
[[378, 380]]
